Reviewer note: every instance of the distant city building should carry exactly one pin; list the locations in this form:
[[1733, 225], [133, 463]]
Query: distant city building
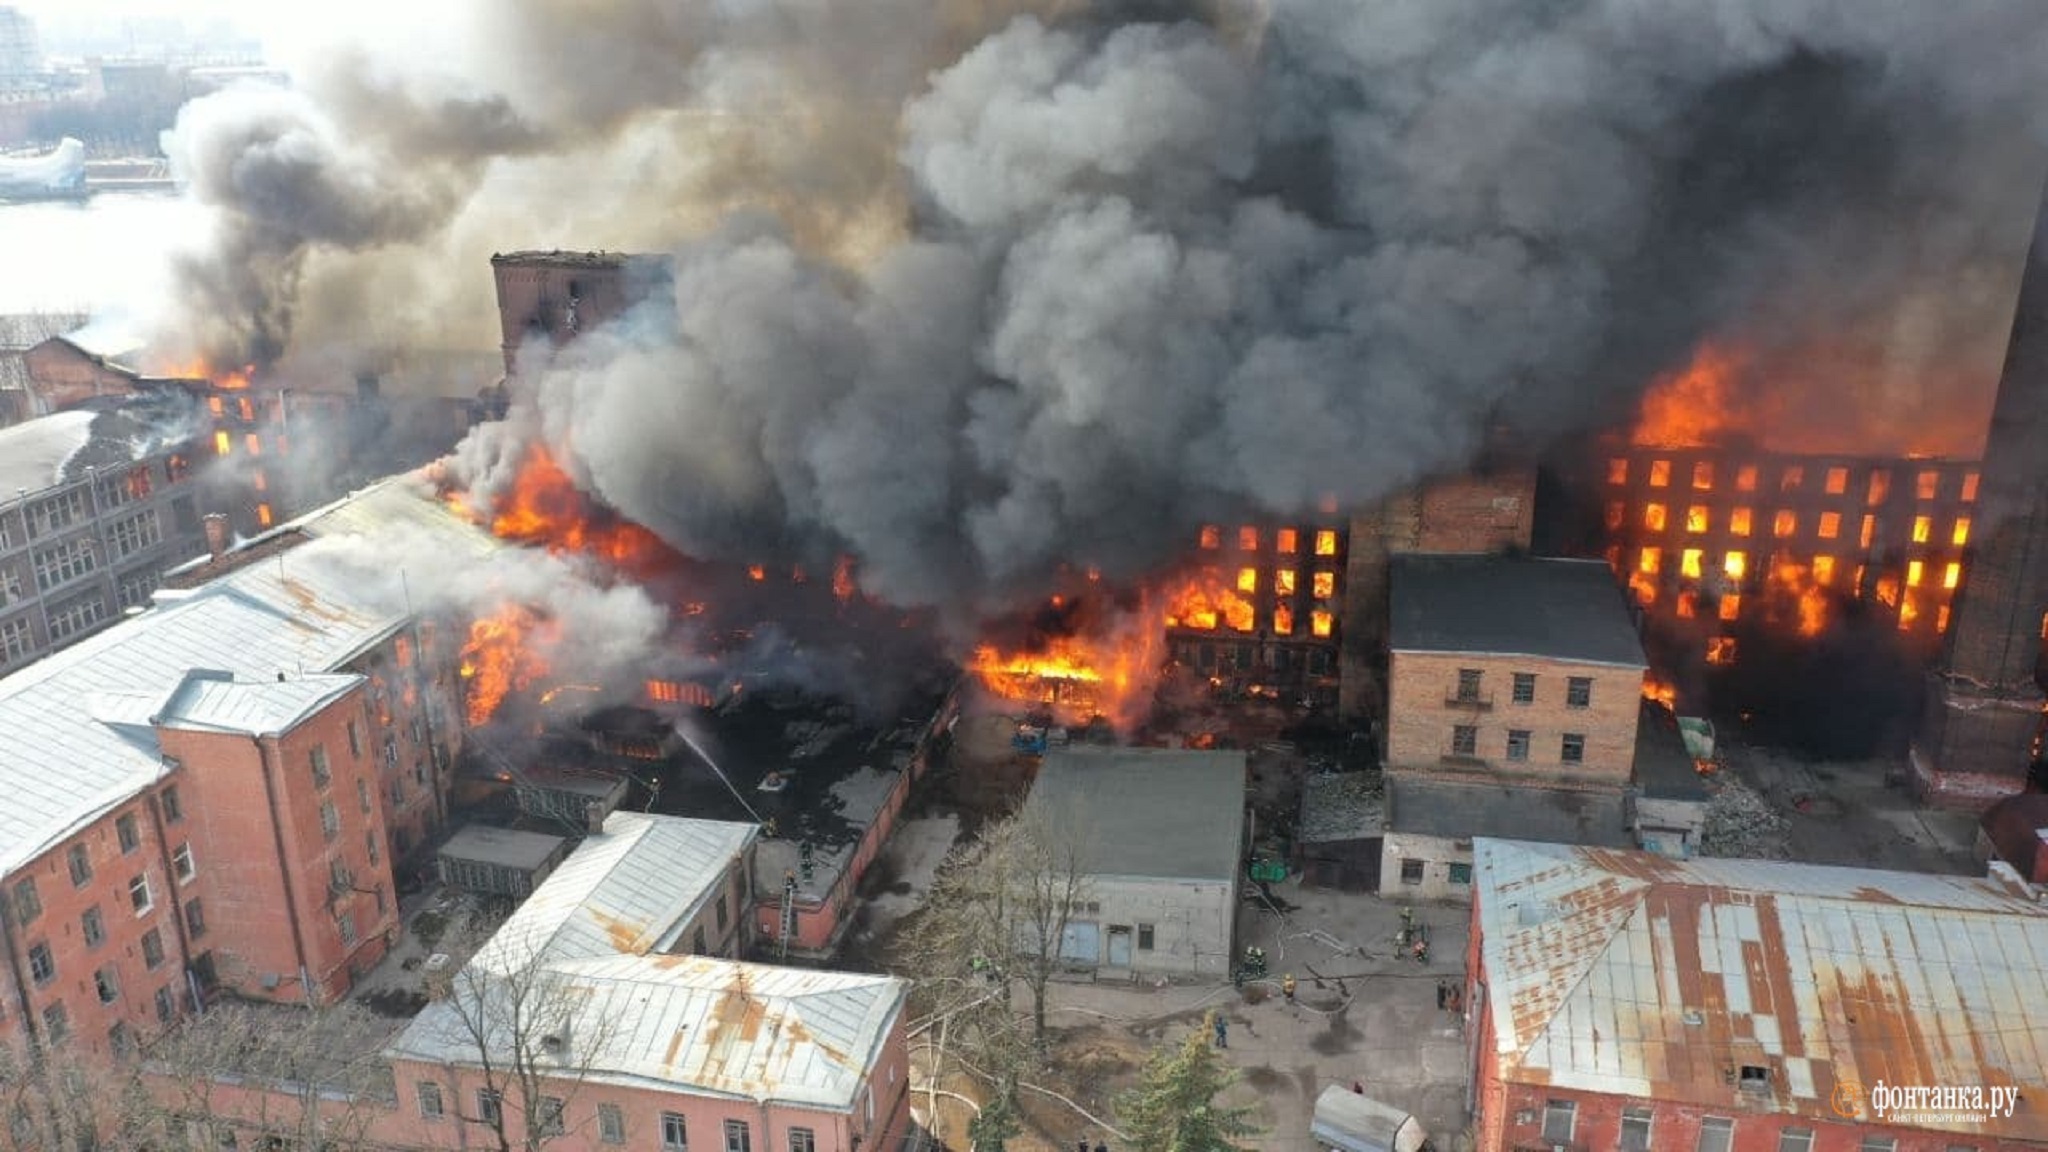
[[21, 54]]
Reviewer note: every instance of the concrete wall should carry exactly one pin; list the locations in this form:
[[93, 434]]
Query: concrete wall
[[1437, 855], [1423, 711], [1192, 924], [1668, 827]]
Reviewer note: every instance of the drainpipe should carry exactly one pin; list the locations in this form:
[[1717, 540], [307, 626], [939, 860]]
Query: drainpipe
[[31, 1026], [291, 906]]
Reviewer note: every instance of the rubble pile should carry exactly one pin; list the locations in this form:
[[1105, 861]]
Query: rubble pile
[[1341, 806], [1742, 824]]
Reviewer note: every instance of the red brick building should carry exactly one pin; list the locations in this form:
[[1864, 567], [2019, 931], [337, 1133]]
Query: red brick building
[[1621, 1000], [213, 793]]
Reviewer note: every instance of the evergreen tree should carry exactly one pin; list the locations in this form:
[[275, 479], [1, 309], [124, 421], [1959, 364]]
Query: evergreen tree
[[1174, 1109], [998, 1122]]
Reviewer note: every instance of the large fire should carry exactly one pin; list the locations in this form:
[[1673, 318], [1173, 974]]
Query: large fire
[[502, 656], [1078, 678], [1697, 405], [545, 508]]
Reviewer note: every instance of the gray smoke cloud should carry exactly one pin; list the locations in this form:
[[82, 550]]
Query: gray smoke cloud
[[976, 298], [599, 625]]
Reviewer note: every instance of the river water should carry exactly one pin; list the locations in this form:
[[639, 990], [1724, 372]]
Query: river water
[[107, 252]]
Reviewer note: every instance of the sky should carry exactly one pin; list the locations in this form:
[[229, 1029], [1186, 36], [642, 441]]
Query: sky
[[288, 30]]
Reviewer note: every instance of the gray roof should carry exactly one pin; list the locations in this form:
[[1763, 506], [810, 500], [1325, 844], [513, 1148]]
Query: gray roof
[[33, 453], [514, 849], [88, 707], [211, 700], [1458, 810], [1151, 812], [1511, 606]]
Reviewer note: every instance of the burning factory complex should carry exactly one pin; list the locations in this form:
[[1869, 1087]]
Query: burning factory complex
[[1297, 412]]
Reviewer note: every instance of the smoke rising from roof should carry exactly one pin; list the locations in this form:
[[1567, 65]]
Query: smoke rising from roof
[[975, 298]]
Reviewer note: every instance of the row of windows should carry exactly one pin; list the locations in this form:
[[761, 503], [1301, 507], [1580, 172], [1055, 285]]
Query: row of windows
[[1785, 524], [1717, 1133], [28, 901], [60, 564], [1578, 690], [53, 513], [1927, 483], [57, 1018], [132, 534], [1735, 565], [611, 1121], [1465, 742], [1286, 541], [74, 617], [1412, 871], [17, 639]]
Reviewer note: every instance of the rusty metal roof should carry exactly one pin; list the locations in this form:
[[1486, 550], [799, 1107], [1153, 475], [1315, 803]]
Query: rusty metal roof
[[587, 949], [628, 891], [1627, 973]]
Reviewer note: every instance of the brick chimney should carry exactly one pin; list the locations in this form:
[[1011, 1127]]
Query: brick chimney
[[217, 535], [1985, 704]]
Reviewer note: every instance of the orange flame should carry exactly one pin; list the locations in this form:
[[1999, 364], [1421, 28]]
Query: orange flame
[[1694, 406], [1202, 602], [546, 508], [1663, 691], [502, 657], [1081, 677]]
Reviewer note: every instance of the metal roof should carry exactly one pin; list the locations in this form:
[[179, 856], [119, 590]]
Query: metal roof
[[33, 453], [1152, 813], [1510, 606], [692, 1023], [627, 891], [77, 722], [1632, 974], [527, 851], [588, 945], [215, 701]]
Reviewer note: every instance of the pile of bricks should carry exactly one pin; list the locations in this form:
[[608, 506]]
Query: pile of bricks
[[1742, 824]]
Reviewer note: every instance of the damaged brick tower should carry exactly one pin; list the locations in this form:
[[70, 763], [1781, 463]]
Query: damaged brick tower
[[1981, 737]]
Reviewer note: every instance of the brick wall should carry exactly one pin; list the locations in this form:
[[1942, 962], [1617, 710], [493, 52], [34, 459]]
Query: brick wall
[[112, 939], [534, 290], [1491, 511], [1423, 711], [274, 890], [61, 376]]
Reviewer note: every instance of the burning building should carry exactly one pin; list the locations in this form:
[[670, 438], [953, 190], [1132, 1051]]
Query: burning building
[[1712, 539]]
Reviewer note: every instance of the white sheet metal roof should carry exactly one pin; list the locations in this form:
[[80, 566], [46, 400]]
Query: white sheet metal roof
[[628, 891], [586, 945], [78, 740], [214, 701], [682, 1023], [1627, 973], [33, 453]]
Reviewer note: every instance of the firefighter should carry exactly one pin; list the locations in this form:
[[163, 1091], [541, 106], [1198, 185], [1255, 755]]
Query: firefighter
[[1287, 987]]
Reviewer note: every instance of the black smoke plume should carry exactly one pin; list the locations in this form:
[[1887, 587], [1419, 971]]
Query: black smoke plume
[[977, 292]]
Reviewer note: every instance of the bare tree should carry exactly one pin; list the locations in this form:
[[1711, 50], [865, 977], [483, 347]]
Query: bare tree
[[527, 1030], [309, 1078], [62, 1097], [996, 918]]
